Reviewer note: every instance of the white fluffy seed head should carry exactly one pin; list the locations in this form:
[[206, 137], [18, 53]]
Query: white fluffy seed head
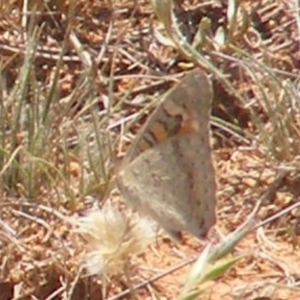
[[112, 238]]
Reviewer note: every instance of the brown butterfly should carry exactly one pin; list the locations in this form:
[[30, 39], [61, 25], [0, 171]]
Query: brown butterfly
[[168, 171]]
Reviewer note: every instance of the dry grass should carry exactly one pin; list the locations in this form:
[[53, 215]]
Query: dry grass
[[78, 79]]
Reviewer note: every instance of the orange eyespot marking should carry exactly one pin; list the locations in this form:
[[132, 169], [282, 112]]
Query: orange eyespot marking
[[156, 134], [144, 145], [158, 130], [189, 126]]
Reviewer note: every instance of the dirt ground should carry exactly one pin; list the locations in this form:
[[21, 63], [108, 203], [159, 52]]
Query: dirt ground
[[41, 256]]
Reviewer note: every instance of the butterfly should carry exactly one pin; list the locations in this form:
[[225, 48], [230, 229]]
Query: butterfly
[[168, 172]]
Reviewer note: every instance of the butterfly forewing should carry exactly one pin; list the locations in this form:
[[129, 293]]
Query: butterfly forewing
[[178, 113]]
